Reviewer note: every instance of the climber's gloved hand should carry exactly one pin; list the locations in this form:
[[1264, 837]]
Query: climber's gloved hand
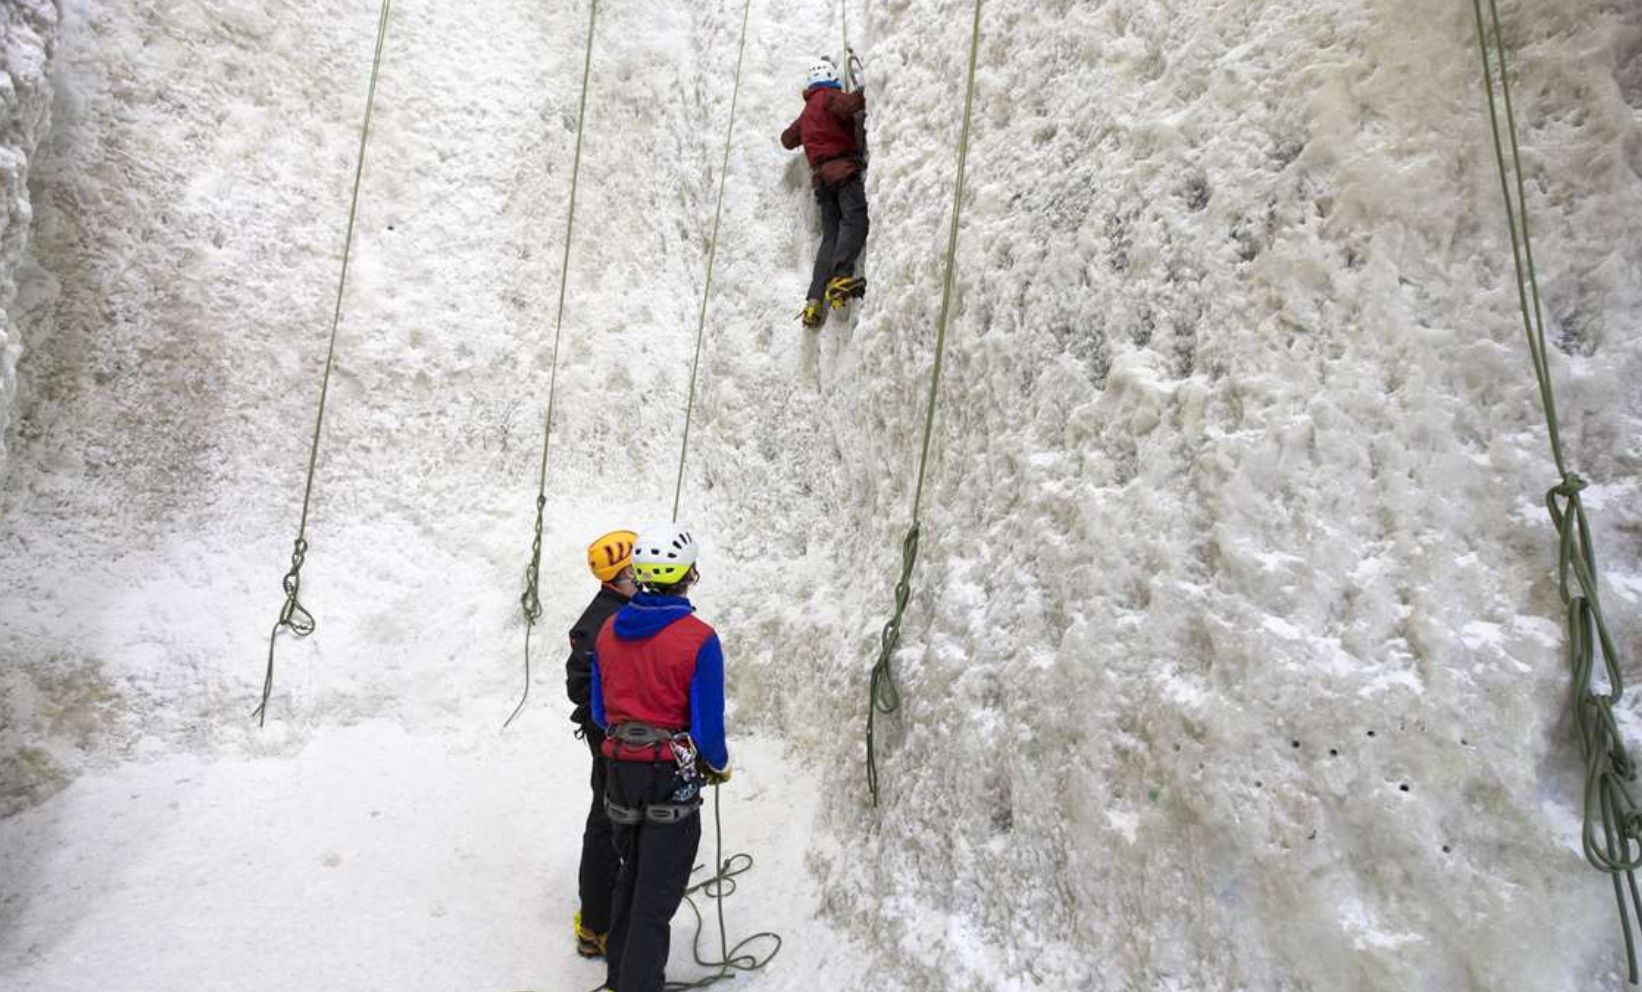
[[715, 776]]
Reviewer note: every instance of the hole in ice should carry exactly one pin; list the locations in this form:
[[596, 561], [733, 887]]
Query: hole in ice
[[1197, 193], [1333, 752], [1294, 744], [1371, 733], [1446, 849], [1403, 787]]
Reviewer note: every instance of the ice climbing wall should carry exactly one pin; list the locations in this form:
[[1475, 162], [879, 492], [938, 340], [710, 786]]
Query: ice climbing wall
[[1232, 661]]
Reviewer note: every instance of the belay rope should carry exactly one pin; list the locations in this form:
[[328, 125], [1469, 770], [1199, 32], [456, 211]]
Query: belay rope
[[530, 601], [883, 696], [1612, 821], [721, 883], [719, 886], [293, 616]]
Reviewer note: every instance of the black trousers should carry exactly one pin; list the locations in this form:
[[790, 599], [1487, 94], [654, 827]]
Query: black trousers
[[597, 879], [656, 859], [844, 226]]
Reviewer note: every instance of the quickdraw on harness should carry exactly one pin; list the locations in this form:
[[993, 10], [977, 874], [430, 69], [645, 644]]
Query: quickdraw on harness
[[662, 744]]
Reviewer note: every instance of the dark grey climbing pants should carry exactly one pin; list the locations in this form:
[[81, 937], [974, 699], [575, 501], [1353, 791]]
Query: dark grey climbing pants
[[843, 231], [655, 870]]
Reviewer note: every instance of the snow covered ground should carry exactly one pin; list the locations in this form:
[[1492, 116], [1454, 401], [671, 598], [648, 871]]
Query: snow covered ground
[[1233, 662], [372, 858]]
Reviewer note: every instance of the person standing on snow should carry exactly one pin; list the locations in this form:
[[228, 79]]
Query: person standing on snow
[[826, 130], [658, 690], [611, 560]]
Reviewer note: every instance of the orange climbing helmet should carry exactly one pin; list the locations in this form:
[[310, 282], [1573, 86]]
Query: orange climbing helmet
[[610, 554]]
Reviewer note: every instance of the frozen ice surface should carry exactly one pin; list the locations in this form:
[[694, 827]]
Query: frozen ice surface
[[28, 32], [1234, 660]]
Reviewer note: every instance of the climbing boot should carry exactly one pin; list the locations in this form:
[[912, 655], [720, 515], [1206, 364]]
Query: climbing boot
[[842, 289], [588, 943], [812, 315]]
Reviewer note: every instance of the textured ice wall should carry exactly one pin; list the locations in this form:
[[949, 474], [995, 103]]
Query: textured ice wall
[[1234, 660], [28, 33], [190, 226], [1239, 449]]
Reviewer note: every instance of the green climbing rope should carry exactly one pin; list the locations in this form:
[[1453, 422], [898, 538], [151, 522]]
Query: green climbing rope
[[1612, 822], [530, 601], [293, 616], [882, 695], [712, 258], [721, 884], [718, 887]]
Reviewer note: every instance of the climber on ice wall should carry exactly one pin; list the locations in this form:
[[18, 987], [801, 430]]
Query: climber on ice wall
[[658, 691], [827, 131], [611, 560]]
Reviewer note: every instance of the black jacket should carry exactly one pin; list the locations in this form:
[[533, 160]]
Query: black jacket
[[578, 668]]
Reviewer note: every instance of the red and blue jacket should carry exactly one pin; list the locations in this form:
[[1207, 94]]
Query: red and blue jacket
[[655, 663]]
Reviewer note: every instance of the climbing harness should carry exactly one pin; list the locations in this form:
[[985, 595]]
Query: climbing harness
[[531, 601], [664, 744], [293, 616], [712, 258], [882, 694], [663, 813], [1612, 832]]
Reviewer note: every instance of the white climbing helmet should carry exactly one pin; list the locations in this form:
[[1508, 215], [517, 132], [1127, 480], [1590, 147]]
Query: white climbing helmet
[[664, 555], [823, 73]]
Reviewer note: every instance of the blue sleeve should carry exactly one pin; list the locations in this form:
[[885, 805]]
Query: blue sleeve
[[707, 705], [596, 699]]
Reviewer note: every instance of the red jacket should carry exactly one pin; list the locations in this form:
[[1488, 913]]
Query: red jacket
[[655, 663], [826, 129]]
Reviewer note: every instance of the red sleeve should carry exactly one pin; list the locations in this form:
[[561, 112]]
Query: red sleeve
[[790, 137], [846, 105]]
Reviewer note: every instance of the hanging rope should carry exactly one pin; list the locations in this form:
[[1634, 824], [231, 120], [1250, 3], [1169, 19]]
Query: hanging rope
[[721, 884], [1612, 821], [530, 601], [883, 696], [293, 616], [712, 257]]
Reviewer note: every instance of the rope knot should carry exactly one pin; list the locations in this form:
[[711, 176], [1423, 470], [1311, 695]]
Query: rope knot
[[1570, 486]]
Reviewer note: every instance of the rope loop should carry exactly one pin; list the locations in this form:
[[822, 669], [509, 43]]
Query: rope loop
[[531, 601], [293, 614]]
